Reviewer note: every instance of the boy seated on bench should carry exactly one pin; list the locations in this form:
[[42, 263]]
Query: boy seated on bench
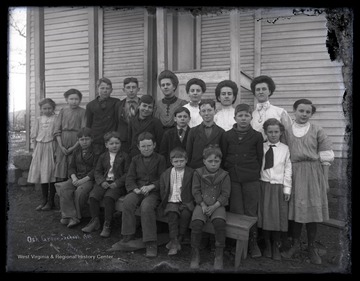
[[177, 201], [211, 189], [142, 185]]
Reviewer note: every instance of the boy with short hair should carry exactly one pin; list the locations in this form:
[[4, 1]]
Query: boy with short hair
[[126, 109], [101, 114], [144, 122], [203, 135], [74, 193], [109, 184], [176, 136], [195, 88], [142, 185], [165, 108], [211, 189], [242, 147], [177, 200]]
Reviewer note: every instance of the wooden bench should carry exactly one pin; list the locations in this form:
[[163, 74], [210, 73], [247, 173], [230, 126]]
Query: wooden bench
[[237, 227]]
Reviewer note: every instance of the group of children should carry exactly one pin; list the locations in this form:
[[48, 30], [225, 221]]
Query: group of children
[[188, 160]]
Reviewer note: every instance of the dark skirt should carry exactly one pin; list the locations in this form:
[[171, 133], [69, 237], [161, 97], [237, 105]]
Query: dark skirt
[[273, 209]]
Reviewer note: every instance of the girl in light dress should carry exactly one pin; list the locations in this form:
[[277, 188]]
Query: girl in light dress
[[311, 155], [42, 167], [70, 120], [226, 93]]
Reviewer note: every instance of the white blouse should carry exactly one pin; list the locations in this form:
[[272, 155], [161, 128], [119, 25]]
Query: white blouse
[[281, 172], [224, 118], [196, 119], [265, 111]]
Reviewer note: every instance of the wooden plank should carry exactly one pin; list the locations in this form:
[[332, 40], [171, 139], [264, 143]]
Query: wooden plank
[[335, 223], [51, 27], [67, 42], [289, 35], [80, 46]]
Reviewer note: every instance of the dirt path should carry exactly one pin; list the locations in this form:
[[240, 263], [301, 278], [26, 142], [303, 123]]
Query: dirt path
[[37, 242]]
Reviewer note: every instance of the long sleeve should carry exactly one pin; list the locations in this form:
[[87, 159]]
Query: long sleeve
[[196, 188], [287, 174], [58, 123], [99, 171], [259, 150], [160, 170], [162, 185], [120, 182], [159, 132], [225, 191], [190, 144], [285, 119], [35, 129], [89, 115], [130, 180], [72, 165]]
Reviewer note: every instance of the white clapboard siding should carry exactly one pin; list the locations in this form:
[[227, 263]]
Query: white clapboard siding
[[123, 47], [215, 41], [66, 53], [294, 54], [31, 75]]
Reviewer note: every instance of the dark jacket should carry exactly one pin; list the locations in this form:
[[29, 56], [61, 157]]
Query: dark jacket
[[83, 166], [139, 175], [137, 126], [242, 158], [197, 141], [171, 140], [210, 188], [186, 192], [120, 168], [101, 120]]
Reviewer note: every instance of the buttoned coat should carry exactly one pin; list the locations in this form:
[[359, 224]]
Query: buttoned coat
[[137, 126], [186, 192], [139, 174], [83, 165], [100, 120], [242, 158], [197, 141], [120, 168], [171, 140], [211, 188]]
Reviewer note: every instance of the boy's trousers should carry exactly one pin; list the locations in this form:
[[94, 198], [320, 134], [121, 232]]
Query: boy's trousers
[[148, 207]]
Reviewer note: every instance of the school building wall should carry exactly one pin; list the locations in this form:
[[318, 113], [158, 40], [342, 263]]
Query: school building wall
[[82, 44]]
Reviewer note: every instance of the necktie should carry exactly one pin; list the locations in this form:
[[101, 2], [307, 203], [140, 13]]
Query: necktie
[[269, 157], [181, 131]]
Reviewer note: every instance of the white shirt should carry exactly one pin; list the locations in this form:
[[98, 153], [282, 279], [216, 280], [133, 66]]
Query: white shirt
[[265, 111], [110, 174], [300, 130], [196, 119], [224, 118], [176, 178], [281, 172]]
